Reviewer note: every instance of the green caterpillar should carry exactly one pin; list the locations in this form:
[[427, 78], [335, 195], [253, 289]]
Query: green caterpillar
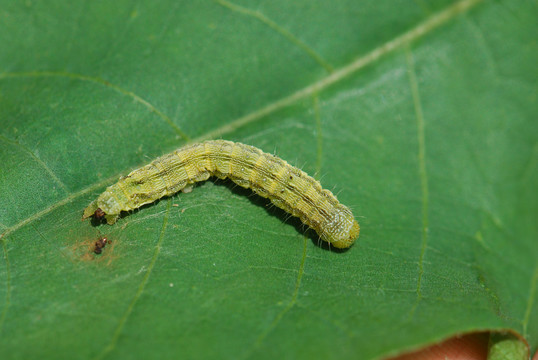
[[288, 187]]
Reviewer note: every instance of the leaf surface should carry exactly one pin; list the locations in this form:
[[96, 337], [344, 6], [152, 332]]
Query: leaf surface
[[421, 116]]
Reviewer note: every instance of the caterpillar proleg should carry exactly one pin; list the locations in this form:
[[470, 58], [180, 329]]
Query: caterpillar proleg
[[288, 187]]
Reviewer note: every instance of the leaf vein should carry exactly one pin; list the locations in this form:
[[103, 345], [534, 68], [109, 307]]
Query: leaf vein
[[319, 137], [530, 301], [38, 161], [54, 206], [415, 33], [423, 175], [115, 337], [288, 307], [485, 47], [282, 31], [8, 283], [103, 82]]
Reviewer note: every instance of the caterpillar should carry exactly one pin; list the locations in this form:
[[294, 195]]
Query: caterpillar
[[286, 186]]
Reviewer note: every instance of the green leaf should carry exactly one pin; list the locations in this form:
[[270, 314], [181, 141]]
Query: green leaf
[[420, 115]]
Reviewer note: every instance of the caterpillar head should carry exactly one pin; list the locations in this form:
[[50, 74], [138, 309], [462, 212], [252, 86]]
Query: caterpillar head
[[103, 208]]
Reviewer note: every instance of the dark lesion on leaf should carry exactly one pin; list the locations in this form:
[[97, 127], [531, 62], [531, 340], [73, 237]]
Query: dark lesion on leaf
[[92, 250], [100, 244]]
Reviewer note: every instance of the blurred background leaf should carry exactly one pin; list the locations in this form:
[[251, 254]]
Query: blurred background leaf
[[420, 115]]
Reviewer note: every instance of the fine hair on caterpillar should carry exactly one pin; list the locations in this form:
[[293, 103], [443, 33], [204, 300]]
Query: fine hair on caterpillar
[[286, 186]]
